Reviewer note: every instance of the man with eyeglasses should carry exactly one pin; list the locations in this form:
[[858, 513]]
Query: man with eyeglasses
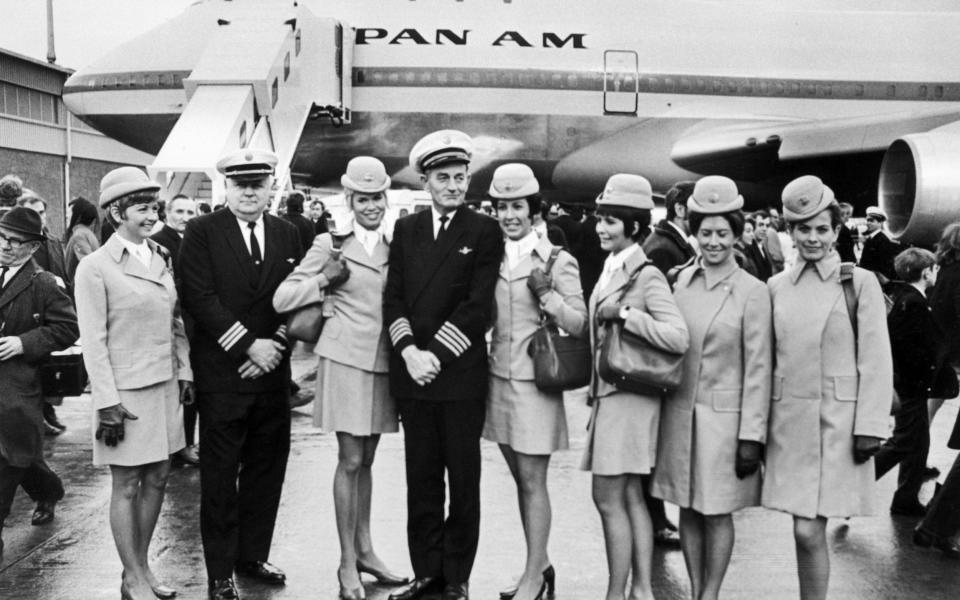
[[878, 249], [36, 318]]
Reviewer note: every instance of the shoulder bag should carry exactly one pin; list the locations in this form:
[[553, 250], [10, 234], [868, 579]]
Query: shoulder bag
[[59, 373], [306, 323], [560, 361], [632, 364]]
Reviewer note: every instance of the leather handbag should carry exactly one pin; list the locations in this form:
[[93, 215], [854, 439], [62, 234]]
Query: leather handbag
[[306, 323], [560, 361], [632, 364], [63, 373]]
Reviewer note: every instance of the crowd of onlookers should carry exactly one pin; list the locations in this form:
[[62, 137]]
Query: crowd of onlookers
[[799, 334]]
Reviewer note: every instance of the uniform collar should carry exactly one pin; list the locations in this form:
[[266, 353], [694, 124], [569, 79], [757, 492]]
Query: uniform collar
[[825, 268], [713, 277]]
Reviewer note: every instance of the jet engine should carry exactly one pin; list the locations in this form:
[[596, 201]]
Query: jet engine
[[920, 185]]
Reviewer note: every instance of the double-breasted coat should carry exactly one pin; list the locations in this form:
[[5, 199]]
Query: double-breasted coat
[[629, 445], [828, 386], [35, 309], [725, 393]]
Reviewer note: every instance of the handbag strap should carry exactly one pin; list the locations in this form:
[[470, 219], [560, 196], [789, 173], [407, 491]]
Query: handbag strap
[[547, 268], [849, 294], [633, 279]]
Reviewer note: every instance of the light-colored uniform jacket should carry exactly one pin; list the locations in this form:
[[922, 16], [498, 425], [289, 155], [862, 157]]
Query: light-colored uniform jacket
[[517, 312], [653, 315], [827, 387], [354, 334], [130, 326], [725, 393]]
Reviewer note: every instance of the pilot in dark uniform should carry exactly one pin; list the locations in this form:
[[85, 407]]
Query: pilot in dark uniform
[[237, 258], [437, 305], [878, 249]]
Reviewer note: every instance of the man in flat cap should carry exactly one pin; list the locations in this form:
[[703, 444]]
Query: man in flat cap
[[437, 306], [237, 258], [878, 249]]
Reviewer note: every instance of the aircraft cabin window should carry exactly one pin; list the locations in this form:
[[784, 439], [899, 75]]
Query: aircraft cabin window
[[286, 66], [274, 92], [938, 92], [858, 90], [297, 43], [922, 92], [891, 91]]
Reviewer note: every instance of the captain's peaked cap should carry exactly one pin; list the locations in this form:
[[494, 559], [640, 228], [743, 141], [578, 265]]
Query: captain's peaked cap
[[366, 175], [440, 148], [715, 195], [876, 211], [805, 197], [512, 181], [247, 164], [628, 191], [123, 181]]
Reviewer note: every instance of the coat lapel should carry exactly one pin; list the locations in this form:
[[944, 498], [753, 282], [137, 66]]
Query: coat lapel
[[19, 283], [271, 251], [354, 251], [234, 237]]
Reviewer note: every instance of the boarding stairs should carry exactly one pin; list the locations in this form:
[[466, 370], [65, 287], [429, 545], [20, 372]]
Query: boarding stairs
[[254, 86]]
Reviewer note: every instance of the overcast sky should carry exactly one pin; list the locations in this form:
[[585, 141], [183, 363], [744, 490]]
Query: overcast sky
[[84, 29]]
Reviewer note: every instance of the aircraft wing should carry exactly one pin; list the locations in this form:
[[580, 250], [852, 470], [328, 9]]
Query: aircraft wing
[[751, 151]]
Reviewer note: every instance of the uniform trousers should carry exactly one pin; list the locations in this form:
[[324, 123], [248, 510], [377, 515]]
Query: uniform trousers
[[37, 480], [245, 440], [909, 445], [443, 436]]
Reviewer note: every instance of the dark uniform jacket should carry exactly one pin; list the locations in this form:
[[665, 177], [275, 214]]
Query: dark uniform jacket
[[305, 227], [439, 297], [917, 344], [230, 304], [34, 308], [878, 254], [169, 239], [666, 248]]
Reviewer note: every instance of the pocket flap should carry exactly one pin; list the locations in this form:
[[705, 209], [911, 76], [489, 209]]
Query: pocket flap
[[776, 392], [845, 388], [726, 400]]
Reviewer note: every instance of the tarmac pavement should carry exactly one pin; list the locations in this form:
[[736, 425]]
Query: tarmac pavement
[[872, 558]]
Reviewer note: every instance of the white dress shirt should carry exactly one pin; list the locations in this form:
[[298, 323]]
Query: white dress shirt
[[257, 231], [139, 251], [517, 250], [368, 238], [436, 221]]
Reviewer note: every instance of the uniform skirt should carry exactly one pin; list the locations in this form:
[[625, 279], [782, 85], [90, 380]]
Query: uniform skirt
[[154, 436], [622, 435], [353, 401], [524, 418]]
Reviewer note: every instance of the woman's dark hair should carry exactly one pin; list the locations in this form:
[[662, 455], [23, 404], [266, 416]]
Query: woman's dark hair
[[633, 219], [534, 203], [836, 216], [948, 248], [83, 212], [735, 218], [124, 202]]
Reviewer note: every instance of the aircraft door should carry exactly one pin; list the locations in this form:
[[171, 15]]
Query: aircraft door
[[620, 82]]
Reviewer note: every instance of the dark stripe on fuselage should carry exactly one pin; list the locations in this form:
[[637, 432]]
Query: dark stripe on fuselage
[[588, 81]]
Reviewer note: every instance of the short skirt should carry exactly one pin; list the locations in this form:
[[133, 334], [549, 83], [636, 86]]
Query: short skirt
[[622, 435], [352, 400], [524, 418], [154, 436]]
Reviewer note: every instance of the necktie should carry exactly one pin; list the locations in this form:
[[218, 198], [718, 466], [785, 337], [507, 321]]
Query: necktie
[[254, 247], [3, 277], [443, 227]]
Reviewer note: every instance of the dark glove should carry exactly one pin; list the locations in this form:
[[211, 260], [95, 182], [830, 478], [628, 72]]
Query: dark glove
[[187, 393], [539, 282], [110, 428], [336, 272], [748, 458], [865, 446], [609, 312]]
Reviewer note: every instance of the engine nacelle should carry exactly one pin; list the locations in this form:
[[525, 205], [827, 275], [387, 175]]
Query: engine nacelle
[[920, 186]]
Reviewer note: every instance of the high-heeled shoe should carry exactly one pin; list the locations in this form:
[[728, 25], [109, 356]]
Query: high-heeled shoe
[[163, 592], [356, 593], [926, 539], [383, 577], [549, 585]]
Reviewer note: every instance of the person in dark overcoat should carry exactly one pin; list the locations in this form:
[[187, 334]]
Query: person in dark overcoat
[[36, 318], [668, 246], [238, 257], [437, 306], [945, 302], [305, 227], [878, 249]]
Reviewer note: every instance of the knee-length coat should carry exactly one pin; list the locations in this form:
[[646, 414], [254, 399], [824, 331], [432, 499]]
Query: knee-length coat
[[35, 309], [828, 386], [725, 393]]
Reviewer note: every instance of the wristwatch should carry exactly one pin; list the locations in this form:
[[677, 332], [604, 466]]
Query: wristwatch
[[624, 311]]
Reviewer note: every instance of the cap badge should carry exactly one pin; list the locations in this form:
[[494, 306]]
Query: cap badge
[[507, 186], [368, 177], [248, 156]]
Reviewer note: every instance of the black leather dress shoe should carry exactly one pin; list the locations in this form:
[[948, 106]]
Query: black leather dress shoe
[[262, 570], [223, 589], [457, 591], [418, 588], [44, 512], [926, 539]]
